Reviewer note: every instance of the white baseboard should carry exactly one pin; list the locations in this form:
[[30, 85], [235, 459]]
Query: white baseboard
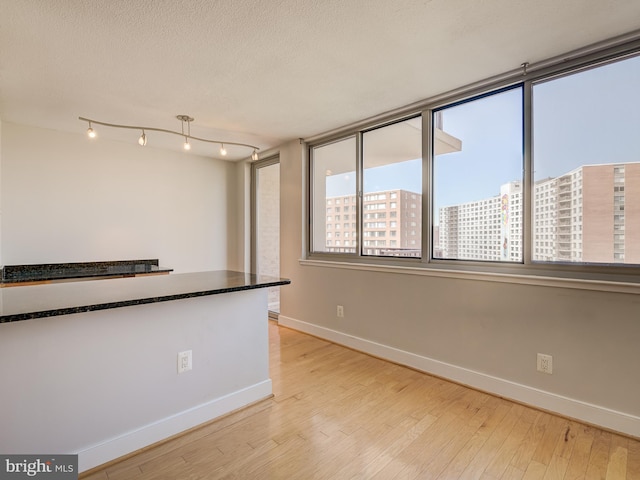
[[134, 440], [569, 407]]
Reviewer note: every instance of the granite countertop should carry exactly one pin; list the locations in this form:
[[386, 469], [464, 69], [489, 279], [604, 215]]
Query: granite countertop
[[38, 301], [60, 271]]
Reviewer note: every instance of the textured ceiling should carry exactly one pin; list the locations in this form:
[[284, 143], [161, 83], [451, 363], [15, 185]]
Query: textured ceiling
[[266, 71]]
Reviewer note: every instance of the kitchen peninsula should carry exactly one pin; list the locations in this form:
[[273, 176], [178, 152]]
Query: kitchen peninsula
[[90, 367]]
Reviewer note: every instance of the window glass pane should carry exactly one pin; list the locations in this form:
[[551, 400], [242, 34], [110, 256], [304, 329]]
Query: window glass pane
[[477, 186], [586, 198], [334, 185], [392, 180]]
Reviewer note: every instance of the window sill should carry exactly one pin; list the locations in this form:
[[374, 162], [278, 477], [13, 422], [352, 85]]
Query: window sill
[[519, 279]]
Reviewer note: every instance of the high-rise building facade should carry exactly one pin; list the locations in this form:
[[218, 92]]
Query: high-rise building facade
[[391, 223], [590, 215], [488, 229]]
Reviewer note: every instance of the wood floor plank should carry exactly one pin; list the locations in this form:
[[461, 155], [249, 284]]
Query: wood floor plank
[[258, 463], [494, 416], [580, 454], [459, 438], [420, 453], [554, 432], [509, 448], [512, 473], [429, 443], [345, 457], [633, 460], [599, 458], [559, 463], [566, 442], [101, 475], [529, 445], [393, 449], [618, 452], [557, 468], [163, 463], [340, 414], [489, 450], [535, 471]]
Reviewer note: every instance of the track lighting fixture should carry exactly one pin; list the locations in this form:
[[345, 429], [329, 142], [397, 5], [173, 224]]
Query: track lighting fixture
[[184, 119]]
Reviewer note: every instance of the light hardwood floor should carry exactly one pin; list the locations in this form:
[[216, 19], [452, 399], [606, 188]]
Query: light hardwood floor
[[340, 414]]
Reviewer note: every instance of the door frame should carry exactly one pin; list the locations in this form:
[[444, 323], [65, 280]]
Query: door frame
[[255, 166]]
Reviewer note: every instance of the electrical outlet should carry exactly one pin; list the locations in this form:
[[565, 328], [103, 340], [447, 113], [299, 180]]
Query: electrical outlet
[[340, 311], [184, 361], [545, 363]]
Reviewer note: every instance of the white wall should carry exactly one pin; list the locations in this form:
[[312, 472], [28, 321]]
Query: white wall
[[240, 257], [481, 333], [66, 198]]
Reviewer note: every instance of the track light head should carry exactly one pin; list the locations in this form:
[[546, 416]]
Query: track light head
[[254, 155], [223, 151], [91, 133], [142, 141], [186, 145]]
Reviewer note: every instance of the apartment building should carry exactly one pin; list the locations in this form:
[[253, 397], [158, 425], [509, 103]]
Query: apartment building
[[391, 223], [488, 229], [589, 215]]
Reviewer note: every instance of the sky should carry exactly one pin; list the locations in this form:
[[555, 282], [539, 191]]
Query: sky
[[591, 117]]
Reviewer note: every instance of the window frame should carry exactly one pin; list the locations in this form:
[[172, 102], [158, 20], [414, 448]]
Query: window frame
[[310, 181], [588, 58], [432, 111], [360, 196]]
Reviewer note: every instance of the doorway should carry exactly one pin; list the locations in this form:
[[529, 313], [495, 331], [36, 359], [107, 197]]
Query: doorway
[[265, 258]]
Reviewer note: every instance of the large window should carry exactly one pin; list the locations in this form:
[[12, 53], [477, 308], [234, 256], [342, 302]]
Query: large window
[[334, 197], [392, 184], [586, 193], [478, 184], [540, 173]]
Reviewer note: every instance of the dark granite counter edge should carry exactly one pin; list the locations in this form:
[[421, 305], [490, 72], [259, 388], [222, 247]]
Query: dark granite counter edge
[[45, 278], [42, 272], [127, 303]]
